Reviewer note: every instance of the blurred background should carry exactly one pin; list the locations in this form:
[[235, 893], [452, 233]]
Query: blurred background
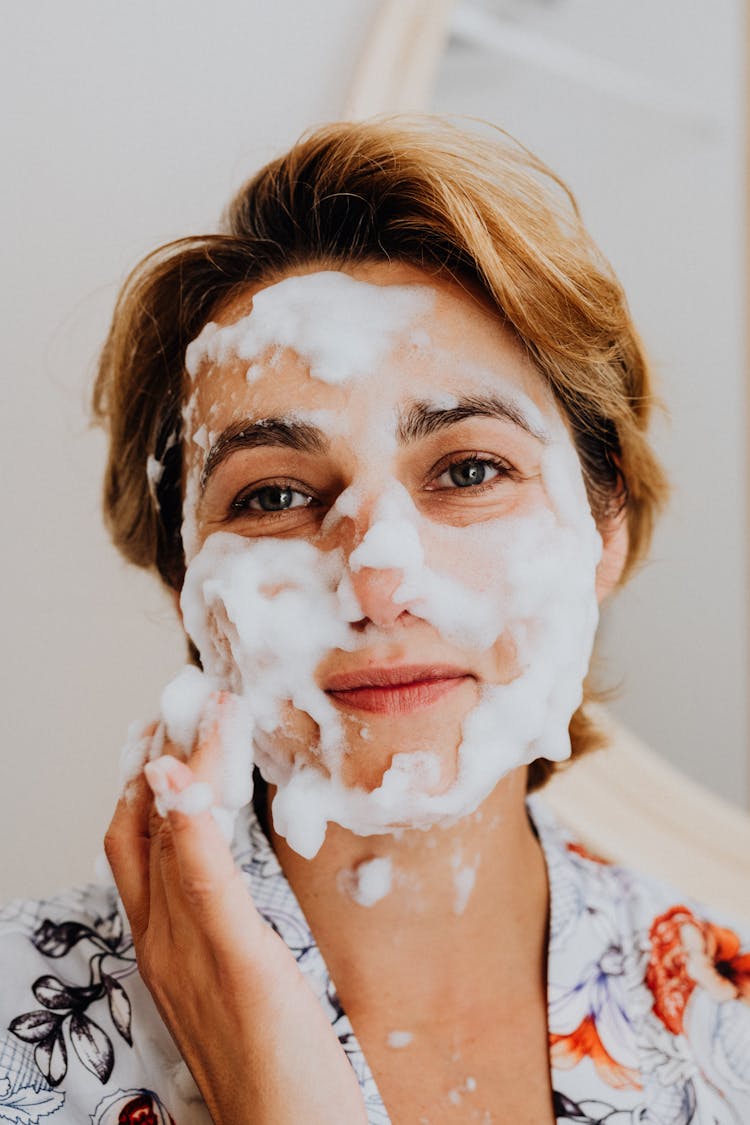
[[129, 125]]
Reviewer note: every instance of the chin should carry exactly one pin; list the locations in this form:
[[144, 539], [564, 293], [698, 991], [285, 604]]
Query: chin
[[370, 751]]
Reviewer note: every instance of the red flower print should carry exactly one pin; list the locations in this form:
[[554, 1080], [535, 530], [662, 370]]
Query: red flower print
[[591, 1020], [139, 1111], [687, 952], [566, 1051], [579, 849], [131, 1107]]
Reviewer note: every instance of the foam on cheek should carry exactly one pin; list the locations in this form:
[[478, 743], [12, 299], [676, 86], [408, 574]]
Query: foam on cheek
[[183, 703], [263, 614]]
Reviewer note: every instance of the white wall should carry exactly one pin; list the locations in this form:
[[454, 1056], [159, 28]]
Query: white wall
[[124, 125], [657, 164]]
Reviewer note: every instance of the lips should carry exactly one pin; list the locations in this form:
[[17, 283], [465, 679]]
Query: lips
[[395, 690]]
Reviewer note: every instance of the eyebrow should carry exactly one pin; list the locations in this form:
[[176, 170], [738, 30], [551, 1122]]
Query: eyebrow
[[248, 434], [421, 419], [424, 418]]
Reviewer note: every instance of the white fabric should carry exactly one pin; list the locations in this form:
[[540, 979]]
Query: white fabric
[[622, 960]]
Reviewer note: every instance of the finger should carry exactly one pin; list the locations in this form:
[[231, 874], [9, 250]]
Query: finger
[[161, 745], [197, 864], [129, 841], [127, 847], [206, 758], [223, 754], [175, 787]]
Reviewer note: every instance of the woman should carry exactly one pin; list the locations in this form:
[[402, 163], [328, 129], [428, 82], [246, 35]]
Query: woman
[[385, 440]]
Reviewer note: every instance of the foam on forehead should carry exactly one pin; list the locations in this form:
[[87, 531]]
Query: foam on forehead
[[343, 328]]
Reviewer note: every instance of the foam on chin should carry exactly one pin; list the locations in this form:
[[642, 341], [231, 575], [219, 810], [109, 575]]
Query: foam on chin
[[265, 612]]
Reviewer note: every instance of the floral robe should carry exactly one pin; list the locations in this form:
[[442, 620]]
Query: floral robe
[[649, 1002]]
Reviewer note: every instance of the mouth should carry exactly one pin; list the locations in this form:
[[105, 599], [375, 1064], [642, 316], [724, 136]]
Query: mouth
[[395, 691]]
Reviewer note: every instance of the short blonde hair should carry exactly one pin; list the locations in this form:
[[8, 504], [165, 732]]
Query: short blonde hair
[[478, 208]]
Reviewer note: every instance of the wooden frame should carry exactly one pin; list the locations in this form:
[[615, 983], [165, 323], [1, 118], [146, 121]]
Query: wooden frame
[[398, 68]]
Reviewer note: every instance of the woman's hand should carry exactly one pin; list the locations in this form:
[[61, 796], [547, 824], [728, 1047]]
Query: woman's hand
[[244, 1019]]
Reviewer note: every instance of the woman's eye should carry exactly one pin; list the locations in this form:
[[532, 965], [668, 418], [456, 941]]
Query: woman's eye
[[271, 498], [470, 473]]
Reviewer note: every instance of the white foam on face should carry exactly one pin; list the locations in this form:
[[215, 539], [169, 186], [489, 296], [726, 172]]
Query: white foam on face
[[264, 612], [183, 703], [244, 601], [399, 1039], [342, 328], [203, 439], [263, 619], [393, 542], [369, 882]]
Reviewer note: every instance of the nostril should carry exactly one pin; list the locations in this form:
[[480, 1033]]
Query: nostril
[[374, 591]]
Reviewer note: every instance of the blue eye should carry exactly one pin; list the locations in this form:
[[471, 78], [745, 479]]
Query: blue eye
[[272, 498], [470, 473]]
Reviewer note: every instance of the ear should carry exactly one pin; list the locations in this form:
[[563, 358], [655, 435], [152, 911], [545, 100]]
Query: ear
[[615, 542]]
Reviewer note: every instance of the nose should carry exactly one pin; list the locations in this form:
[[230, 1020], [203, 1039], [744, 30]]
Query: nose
[[374, 589]]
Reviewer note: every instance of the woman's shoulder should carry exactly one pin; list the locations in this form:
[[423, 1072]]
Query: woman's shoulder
[[659, 981], [80, 1039]]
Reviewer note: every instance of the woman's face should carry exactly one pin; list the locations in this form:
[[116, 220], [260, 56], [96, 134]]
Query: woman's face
[[386, 419]]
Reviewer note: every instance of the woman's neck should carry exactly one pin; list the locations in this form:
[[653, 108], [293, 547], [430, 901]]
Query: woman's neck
[[466, 910]]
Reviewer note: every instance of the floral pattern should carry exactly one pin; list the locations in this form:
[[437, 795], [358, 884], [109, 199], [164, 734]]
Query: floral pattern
[[688, 953], [131, 1107], [648, 1001], [64, 1006]]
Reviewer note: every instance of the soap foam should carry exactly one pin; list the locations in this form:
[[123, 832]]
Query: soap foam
[[464, 878], [134, 753], [369, 882], [250, 640], [194, 798], [264, 612], [343, 328], [399, 1039]]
